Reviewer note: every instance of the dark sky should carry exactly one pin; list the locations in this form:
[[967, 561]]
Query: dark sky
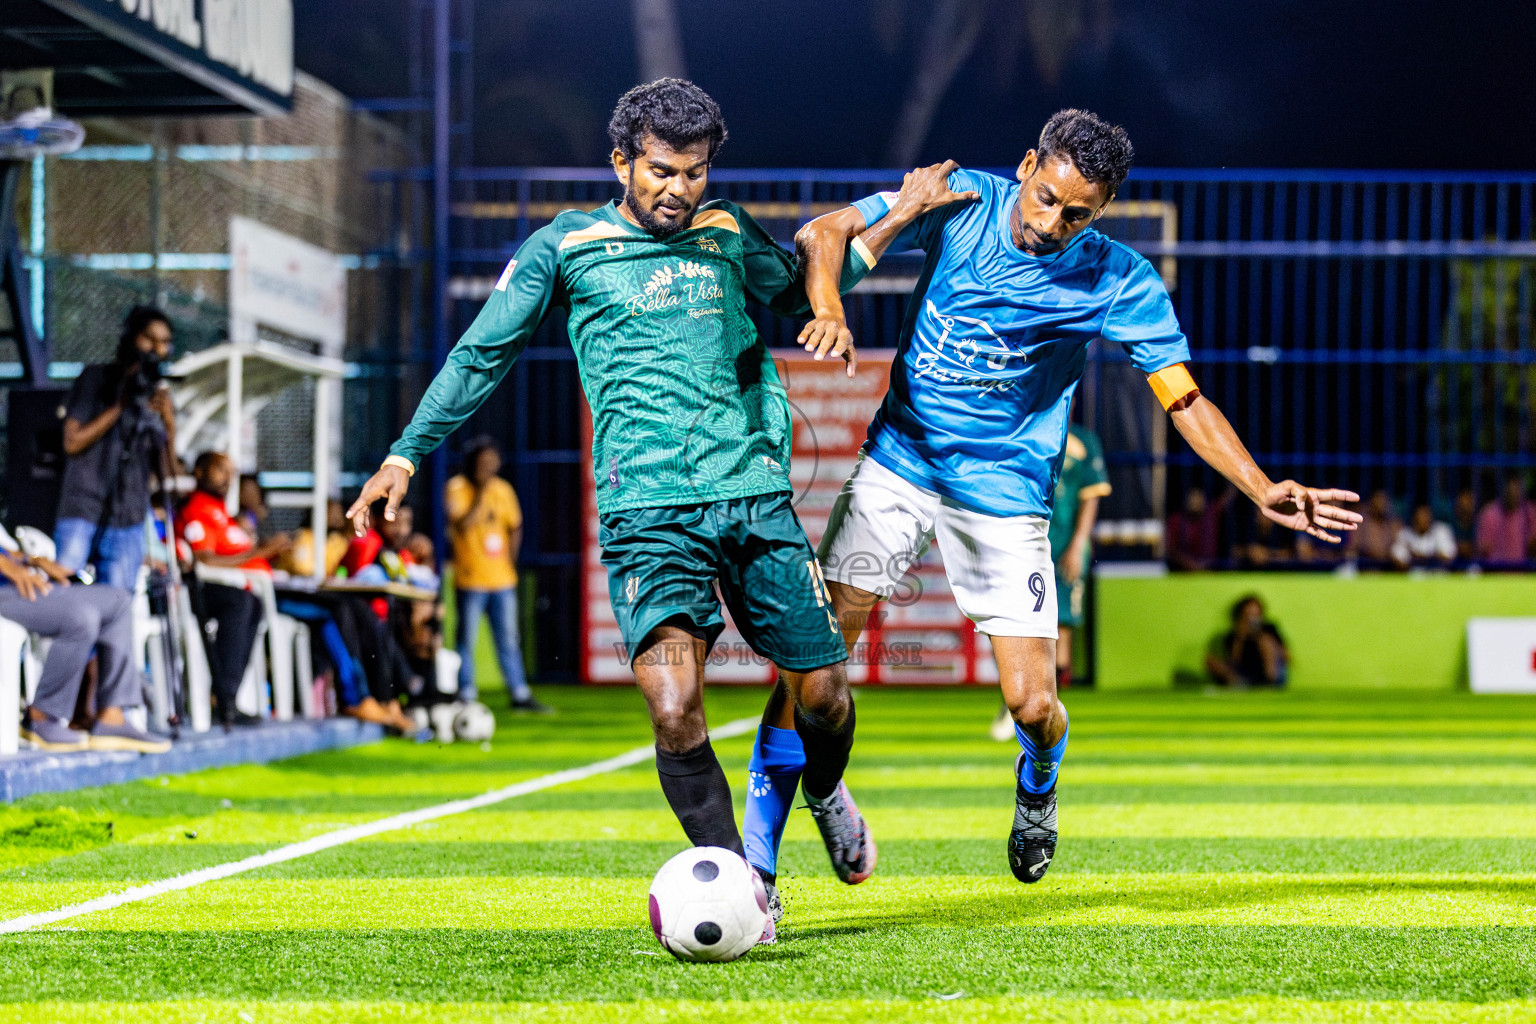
[[1287, 83]]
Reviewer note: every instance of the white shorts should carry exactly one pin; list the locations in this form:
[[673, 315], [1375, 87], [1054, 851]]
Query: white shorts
[[999, 567]]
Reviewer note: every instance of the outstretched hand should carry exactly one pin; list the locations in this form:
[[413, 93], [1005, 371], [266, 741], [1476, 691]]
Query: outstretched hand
[[927, 188], [1310, 510], [829, 335], [390, 483]]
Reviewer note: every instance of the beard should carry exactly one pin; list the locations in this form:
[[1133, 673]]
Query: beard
[[654, 225]]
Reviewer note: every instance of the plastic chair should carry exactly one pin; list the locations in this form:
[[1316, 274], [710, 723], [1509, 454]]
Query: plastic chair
[[276, 643], [149, 641], [448, 662], [35, 543], [14, 640]]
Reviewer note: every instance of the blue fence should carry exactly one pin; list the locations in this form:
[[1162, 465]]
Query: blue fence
[[1365, 329]]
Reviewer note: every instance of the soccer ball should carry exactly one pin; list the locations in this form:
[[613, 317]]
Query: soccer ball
[[708, 904], [442, 716], [474, 723]]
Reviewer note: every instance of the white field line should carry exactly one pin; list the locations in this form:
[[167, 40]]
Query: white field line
[[340, 837]]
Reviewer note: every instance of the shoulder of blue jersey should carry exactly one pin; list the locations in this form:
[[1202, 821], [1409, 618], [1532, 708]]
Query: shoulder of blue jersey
[[962, 179], [1133, 260]]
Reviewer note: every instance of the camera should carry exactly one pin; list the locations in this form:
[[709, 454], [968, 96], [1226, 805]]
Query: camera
[[142, 376]]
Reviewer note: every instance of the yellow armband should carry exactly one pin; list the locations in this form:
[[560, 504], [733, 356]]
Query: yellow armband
[[864, 252], [402, 462], [1171, 384]]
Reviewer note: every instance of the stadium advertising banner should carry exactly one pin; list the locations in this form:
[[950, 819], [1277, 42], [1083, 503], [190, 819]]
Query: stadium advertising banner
[[286, 284], [919, 636], [242, 49]]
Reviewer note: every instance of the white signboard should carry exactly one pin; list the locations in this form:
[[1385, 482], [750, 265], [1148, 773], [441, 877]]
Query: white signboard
[[286, 284], [1501, 655]]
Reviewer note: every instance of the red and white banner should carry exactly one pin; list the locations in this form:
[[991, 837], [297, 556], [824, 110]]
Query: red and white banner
[[918, 639]]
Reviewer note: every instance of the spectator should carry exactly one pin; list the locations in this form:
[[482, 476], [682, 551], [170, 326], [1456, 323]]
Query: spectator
[[360, 627], [217, 540], [1084, 480], [1464, 525], [1506, 528], [253, 505], [118, 420], [1424, 542], [395, 554], [37, 594], [1193, 531], [1270, 545], [1252, 653], [419, 624], [419, 546], [300, 559], [1372, 542], [485, 526]]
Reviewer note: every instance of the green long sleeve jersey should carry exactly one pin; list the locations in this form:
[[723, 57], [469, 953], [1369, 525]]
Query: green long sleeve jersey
[[687, 406]]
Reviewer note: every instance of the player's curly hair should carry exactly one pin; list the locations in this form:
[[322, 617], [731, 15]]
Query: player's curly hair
[[1100, 151], [675, 111]]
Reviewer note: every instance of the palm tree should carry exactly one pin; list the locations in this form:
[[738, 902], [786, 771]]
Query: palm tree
[[659, 40], [942, 35]]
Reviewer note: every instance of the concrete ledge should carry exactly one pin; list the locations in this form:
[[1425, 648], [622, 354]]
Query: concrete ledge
[[36, 772]]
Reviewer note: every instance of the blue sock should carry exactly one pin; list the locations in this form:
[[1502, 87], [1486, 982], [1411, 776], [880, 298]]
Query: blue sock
[[773, 776], [1037, 772]]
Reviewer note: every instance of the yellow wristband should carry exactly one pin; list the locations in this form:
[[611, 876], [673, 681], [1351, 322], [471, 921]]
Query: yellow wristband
[[864, 254], [402, 462], [1171, 384]]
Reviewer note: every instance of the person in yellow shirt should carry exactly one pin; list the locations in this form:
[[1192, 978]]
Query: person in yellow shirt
[[300, 559], [485, 528]]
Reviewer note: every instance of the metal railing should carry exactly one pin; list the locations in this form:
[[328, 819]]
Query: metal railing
[[1374, 327], [1364, 329]]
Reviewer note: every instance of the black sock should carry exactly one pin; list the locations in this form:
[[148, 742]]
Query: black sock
[[700, 797], [826, 752]]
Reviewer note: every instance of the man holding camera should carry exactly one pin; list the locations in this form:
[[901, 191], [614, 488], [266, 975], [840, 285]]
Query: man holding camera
[[118, 425]]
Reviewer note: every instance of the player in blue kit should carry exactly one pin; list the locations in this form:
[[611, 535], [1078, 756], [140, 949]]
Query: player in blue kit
[[967, 446]]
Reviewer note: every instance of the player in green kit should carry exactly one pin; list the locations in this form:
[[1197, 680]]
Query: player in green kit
[[690, 447]]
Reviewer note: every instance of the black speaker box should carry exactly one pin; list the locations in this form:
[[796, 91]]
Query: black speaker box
[[36, 457]]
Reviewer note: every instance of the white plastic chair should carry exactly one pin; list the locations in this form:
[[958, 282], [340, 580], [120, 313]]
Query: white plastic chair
[[14, 641], [148, 641], [280, 633], [448, 662], [304, 670], [35, 543]]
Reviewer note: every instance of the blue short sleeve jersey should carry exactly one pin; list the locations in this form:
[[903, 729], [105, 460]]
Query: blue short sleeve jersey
[[994, 343]]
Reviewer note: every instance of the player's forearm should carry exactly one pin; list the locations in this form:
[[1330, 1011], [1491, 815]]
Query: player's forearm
[[824, 249], [878, 238], [824, 244], [821, 244], [459, 388], [1202, 424]]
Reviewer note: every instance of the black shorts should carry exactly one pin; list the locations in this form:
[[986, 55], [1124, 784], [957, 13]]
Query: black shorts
[[664, 563]]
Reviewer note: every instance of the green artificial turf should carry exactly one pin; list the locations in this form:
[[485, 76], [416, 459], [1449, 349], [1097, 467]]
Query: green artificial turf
[[1281, 857]]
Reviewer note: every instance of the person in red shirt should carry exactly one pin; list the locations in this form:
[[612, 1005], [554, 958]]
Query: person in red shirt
[[1193, 530], [209, 536], [215, 537], [1506, 528]]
